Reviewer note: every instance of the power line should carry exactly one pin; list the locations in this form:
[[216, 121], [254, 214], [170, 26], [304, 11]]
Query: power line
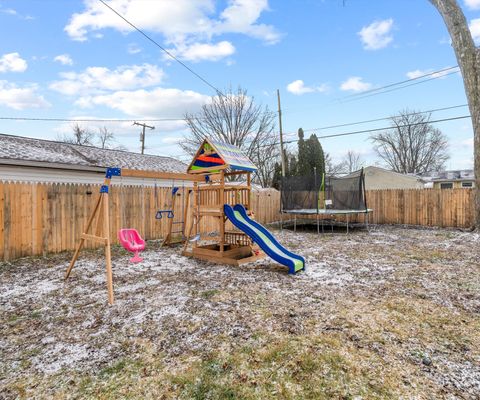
[[54, 119], [162, 48], [380, 90], [94, 120], [379, 119], [406, 81], [89, 120], [394, 127], [397, 88], [374, 130]]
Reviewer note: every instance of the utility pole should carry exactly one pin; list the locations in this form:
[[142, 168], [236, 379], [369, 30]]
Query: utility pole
[[282, 155], [142, 134]]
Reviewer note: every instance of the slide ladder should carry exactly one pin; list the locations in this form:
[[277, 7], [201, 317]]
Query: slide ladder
[[262, 236]]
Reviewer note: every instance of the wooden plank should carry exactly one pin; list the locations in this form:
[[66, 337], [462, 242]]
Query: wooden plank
[[94, 238], [8, 234], [2, 221], [161, 175], [44, 192], [108, 254]]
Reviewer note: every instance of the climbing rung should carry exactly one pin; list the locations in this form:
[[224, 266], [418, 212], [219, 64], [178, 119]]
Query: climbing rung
[[181, 222]]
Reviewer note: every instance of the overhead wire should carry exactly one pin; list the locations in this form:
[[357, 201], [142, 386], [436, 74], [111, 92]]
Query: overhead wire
[[378, 119], [380, 90], [374, 130], [90, 120], [439, 72], [397, 88], [162, 48]]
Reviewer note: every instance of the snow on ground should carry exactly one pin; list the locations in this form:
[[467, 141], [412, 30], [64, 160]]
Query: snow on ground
[[182, 305]]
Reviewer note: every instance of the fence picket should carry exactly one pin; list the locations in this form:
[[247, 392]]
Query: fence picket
[[36, 219]]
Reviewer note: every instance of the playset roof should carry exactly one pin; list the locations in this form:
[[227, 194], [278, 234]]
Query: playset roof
[[212, 153]]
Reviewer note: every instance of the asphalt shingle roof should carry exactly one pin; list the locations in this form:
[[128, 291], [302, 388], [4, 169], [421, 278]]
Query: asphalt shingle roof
[[39, 150]]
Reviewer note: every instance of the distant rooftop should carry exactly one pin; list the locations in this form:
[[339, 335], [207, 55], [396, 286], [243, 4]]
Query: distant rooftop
[[452, 175], [22, 150]]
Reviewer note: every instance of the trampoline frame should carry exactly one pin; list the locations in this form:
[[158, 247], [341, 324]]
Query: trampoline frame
[[313, 211]]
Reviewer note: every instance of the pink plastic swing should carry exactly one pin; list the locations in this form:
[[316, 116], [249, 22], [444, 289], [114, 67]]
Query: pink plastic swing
[[131, 240]]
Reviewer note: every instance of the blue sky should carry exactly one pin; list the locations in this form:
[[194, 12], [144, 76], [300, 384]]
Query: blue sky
[[76, 59]]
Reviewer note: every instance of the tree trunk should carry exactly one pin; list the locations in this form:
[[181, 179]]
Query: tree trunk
[[468, 58]]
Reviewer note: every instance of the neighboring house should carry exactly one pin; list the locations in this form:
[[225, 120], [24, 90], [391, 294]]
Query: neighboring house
[[450, 179], [25, 159], [380, 178]]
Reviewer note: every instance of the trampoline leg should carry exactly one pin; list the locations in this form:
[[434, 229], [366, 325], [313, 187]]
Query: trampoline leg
[[318, 225], [281, 220], [295, 223], [347, 224]]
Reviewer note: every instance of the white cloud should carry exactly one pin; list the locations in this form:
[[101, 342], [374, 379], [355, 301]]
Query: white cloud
[[98, 79], [171, 139], [418, 73], [241, 17], [298, 88], [11, 11], [377, 35], [8, 11], [473, 4], [204, 51], [172, 18], [64, 59], [155, 103], [21, 98], [12, 62], [474, 26], [355, 84], [186, 23]]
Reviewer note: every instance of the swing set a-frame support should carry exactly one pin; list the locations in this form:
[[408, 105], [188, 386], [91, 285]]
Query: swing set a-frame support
[[100, 231]]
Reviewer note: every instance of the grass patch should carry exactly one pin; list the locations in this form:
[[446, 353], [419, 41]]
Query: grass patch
[[208, 294]]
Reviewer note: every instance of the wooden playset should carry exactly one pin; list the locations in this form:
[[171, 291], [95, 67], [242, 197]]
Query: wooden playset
[[219, 192], [216, 163]]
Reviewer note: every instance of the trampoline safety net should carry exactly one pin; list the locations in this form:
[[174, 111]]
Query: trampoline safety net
[[315, 193]]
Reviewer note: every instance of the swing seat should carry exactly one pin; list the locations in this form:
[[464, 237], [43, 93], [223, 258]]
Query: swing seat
[[131, 240], [169, 213]]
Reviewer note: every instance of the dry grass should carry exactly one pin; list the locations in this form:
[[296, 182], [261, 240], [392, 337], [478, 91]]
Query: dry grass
[[394, 313]]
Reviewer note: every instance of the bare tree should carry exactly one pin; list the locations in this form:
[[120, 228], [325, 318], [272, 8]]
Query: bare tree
[[413, 145], [332, 169], [352, 161], [235, 118], [80, 136], [106, 138], [468, 58], [265, 157]]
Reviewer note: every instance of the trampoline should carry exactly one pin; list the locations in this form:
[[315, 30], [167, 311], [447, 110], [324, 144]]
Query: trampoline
[[328, 196]]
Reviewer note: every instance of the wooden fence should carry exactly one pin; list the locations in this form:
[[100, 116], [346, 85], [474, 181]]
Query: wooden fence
[[426, 207], [36, 219]]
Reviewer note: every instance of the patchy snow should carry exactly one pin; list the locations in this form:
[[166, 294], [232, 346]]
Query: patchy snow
[[179, 305]]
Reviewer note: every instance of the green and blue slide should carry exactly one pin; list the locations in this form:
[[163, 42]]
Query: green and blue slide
[[260, 235]]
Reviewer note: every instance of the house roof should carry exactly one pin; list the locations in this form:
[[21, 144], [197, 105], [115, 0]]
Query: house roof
[[212, 153], [21, 150], [375, 168], [451, 175]]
